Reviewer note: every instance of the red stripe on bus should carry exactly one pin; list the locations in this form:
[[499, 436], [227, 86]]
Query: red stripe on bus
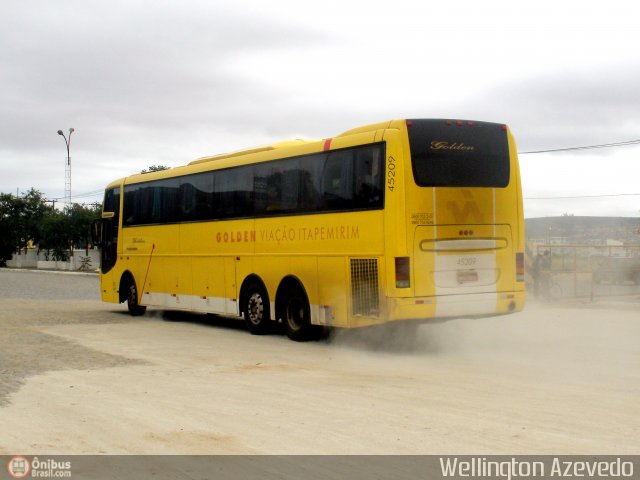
[[327, 144]]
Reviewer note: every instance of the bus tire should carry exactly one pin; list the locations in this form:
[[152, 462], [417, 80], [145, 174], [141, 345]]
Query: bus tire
[[256, 309], [135, 309], [296, 316]]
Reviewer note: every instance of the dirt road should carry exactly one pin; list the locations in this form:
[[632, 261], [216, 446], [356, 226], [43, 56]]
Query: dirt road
[[78, 376]]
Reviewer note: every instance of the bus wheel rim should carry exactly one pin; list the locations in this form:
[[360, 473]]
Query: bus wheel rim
[[133, 295], [294, 321], [255, 308]]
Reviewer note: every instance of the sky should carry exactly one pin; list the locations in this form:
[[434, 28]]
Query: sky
[[156, 82]]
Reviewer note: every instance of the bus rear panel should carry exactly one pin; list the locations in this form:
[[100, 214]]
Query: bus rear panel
[[464, 220]]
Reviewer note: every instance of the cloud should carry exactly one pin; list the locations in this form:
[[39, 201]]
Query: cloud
[[164, 83], [115, 68], [569, 108]]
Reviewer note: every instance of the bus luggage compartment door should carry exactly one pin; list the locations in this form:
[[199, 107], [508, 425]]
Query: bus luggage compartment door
[[463, 259]]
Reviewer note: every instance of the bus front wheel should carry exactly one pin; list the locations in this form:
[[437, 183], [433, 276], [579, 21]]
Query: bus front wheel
[[256, 309], [297, 317], [133, 305]]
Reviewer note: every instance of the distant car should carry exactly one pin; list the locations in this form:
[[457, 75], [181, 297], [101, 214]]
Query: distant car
[[617, 270]]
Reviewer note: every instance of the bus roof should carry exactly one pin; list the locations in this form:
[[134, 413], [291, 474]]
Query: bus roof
[[263, 148], [287, 144], [253, 153]]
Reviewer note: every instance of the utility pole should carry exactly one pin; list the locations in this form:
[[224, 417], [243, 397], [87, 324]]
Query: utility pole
[[67, 169]]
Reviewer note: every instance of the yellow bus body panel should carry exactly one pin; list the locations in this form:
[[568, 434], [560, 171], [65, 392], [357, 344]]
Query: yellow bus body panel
[[201, 266]]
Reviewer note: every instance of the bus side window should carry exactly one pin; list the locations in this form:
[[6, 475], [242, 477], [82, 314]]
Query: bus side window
[[187, 200], [130, 201], [166, 200], [310, 177], [260, 188], [337, 183], [367, 178], [234, 188], [196, 192], [290, 186], [282, 186]]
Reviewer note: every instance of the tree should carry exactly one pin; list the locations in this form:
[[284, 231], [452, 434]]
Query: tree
[[64, 231], [79, 224], [8, 226], [155, 168], [54, 237], [28, 218], [34, 210], [20, 221]]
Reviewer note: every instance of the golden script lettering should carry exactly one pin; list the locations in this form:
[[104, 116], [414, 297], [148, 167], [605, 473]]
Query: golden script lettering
[[441, 145]]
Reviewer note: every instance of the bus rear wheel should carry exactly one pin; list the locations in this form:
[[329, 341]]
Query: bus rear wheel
[[133, 305], [256, 309], [297, 317]]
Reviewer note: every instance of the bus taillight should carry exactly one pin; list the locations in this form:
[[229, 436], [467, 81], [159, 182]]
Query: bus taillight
[[458, 123], [520, 267], [403, 278]]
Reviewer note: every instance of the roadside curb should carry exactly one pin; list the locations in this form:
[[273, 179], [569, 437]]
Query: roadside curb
[[55, 272]]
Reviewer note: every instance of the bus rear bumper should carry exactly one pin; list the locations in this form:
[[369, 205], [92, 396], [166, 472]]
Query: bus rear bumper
[[455, 306]]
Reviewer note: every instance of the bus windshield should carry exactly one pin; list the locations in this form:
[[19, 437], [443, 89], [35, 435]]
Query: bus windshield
[[458, 153]]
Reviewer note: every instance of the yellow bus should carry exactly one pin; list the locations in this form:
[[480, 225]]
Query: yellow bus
[[402, 220]]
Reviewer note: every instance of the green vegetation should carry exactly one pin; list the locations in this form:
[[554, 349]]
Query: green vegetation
[[27, 219]]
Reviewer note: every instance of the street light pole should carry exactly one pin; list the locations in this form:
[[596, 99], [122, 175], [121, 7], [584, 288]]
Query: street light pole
[[67, 169]]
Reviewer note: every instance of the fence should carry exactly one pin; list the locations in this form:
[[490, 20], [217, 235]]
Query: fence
[[585, 271]]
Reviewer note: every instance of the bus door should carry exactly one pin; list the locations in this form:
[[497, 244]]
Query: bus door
[[109, 234]]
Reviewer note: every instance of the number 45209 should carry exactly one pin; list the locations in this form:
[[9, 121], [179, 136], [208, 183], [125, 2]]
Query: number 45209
[[391, 173]]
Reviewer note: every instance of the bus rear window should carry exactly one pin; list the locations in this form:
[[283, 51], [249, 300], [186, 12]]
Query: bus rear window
[[458, 153]]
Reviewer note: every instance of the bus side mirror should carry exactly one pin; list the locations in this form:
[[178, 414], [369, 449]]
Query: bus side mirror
[[96, 232]]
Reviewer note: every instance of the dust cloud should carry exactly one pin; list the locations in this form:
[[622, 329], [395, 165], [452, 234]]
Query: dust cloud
[[552, 343]]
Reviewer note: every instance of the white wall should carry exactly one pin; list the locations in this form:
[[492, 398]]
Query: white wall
[[32, 259]]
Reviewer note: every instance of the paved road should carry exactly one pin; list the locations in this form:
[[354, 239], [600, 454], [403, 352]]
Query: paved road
[[78, 376]]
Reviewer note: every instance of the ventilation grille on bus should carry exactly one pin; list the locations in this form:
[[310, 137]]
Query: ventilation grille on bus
[[364, 286]]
